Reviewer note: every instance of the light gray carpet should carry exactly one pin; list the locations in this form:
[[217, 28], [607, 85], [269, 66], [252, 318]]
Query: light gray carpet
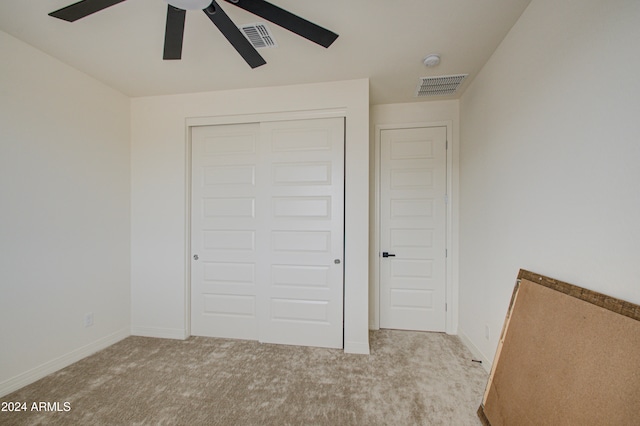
[[410, 378]]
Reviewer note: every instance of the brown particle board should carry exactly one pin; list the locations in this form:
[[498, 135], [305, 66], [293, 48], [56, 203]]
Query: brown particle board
[[566, 356]]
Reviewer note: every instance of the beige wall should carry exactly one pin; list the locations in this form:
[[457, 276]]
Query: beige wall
[[549, 159], [64, 215], [159, 192]]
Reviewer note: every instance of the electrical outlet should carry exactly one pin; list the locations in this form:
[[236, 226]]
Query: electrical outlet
[[88, 319], [486, 331]]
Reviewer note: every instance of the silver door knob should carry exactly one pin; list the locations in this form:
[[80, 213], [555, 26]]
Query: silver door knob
[[336, 261], [195, 257]]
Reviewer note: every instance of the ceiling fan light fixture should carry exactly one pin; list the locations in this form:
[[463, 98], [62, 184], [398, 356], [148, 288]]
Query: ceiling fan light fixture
[[189, 4]]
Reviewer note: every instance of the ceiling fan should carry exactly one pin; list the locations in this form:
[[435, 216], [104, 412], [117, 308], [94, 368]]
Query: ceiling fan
[[176, 12]]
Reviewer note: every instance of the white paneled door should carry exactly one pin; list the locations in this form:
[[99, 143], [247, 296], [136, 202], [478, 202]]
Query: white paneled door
[[413, 228], [224, 265], [268, 231]]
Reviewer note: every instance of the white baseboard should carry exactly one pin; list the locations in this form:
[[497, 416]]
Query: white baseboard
[[486, 363], [356, 348], [30, 376], [162, 333]]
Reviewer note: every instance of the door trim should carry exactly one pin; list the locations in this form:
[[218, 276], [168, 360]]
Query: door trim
[[451, 283], [191, 122]]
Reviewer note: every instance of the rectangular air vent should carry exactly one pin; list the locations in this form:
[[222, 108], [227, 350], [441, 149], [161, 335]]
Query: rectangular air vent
[[259, 35], [439, 86]]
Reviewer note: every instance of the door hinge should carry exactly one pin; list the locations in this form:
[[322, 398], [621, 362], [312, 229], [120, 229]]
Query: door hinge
[[446, 145], [446, 198], [446, 307], [446, 253]]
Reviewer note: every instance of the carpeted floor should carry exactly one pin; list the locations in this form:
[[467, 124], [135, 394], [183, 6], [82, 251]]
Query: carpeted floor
[[410, 378]]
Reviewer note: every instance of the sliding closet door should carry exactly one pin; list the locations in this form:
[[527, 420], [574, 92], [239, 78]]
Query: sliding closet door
[[268, 231], [224, 230], [303, 296]]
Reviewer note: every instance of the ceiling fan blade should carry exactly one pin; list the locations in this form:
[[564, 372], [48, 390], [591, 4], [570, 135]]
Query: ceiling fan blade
[[82, 8], [233, 34], [174, 33], [288, 20]]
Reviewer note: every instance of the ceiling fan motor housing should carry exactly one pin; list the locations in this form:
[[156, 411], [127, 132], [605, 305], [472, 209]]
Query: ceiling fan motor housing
[[190, 4]]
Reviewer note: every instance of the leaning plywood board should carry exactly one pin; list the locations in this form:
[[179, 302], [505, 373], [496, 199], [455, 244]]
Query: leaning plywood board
[[567, 356]]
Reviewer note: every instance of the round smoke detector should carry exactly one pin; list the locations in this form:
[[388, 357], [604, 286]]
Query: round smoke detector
[[431, 60]]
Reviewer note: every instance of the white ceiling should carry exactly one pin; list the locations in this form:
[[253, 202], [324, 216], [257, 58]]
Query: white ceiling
[[382, 40]]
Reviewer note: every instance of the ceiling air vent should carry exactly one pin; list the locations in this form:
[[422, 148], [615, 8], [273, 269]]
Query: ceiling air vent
[[439, 86], [259, 35]]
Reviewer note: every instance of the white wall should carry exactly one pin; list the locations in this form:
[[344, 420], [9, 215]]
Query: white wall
[[64, 215], [160, 190], [550, 154], [428, 112]]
